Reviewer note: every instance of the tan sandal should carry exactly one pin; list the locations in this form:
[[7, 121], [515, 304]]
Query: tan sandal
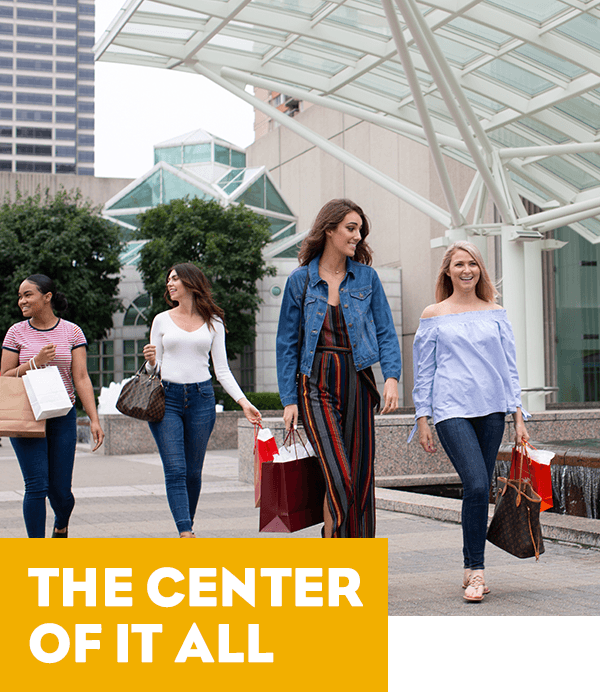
[[477, 586], [465, 583]]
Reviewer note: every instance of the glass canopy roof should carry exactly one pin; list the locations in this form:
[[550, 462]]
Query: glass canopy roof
[[529, 69]]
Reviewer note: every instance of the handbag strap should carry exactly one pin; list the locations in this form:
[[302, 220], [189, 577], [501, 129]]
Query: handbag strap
[[301, 322], [156, 372]]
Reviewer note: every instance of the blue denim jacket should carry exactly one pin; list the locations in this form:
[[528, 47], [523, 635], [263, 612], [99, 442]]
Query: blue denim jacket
[[366, 312]]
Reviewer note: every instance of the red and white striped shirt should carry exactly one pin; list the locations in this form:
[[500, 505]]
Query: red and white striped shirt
[[28, 341]]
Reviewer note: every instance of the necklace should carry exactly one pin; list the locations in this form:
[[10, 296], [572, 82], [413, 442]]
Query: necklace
[[331, 271]]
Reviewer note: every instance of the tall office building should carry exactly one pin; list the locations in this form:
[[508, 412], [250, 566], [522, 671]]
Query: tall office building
[[47, 86]]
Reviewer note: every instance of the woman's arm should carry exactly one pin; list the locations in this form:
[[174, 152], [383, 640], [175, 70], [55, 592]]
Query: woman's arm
[[287, 338], [424, 365], [387, 339], [84, 388], [9, 366], [521, 434], [153, 352]]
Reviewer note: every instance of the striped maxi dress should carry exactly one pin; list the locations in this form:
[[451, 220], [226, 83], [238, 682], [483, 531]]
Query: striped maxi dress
[[337, 404]]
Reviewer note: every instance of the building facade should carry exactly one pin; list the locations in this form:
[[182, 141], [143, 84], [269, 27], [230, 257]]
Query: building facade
[[47, 86]]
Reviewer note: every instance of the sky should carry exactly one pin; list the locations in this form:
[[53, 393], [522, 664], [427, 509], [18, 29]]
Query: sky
[[137, 107]]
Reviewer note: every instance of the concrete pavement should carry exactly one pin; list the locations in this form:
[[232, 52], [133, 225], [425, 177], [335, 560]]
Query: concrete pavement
[[125, 497]]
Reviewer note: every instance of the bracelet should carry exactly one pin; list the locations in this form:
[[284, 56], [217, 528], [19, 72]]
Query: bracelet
[[32, 365], [18, 368]]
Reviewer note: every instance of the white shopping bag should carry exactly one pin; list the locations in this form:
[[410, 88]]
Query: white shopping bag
[[47, 394]]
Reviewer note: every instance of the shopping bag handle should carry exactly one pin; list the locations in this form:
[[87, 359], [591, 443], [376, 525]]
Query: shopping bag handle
[[292, 434]]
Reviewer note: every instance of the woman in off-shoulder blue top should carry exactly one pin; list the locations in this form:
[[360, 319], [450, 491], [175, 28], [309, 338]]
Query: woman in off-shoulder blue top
[[466, 379]]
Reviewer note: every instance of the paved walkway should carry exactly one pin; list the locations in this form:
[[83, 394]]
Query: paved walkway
[[125, 497]]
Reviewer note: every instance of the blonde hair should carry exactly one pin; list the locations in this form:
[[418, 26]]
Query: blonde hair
[[485, 289]]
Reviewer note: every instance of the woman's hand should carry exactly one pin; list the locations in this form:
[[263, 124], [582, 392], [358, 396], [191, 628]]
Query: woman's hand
[[290, 416], [250, 411], [97, 434], [425, 435], [390, 395], [47, 353], [150, 355], [521, 434]]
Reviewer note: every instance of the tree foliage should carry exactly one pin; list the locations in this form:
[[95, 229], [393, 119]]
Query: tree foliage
[[225, 243], [65, 238]]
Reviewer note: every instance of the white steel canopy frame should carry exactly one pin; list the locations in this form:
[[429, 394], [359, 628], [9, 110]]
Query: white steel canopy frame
[[507, 87]]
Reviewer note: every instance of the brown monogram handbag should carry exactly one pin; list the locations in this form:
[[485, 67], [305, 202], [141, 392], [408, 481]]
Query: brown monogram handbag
[[143, 397], [515, 526]]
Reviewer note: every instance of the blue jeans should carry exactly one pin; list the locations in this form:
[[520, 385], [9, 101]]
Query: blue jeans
[[472, 445], [181, 437], [47, 467]]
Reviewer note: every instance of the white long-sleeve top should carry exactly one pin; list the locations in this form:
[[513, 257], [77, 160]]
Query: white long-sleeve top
[[183, 356]]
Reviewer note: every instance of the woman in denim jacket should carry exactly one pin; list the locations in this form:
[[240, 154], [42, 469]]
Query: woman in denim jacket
[[347, 326]]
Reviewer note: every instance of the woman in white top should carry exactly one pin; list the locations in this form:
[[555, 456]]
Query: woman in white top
[[180, 342]]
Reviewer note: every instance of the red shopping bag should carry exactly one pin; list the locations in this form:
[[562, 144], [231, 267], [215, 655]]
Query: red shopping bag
[[265, 448], [539, 475], [292, 495]]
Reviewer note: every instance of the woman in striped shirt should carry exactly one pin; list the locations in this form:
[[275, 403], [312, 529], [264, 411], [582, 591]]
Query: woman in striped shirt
[[47, 463]]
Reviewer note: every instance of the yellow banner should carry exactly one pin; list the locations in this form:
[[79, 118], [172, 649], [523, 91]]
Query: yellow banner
[[97, 614]]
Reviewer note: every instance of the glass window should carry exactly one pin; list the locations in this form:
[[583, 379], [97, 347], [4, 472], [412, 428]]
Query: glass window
[[34, 82], [85, 140], [584, 28], [582, 109], [222, 154], [197, 153], [41, 2], [36, 15], [65, 152], [544, 130], [170, 155], [37, 48], [547, 60], [65, 168], [6, 132], [6, 80], [85, 42], [6, 12], [136, 316], [34, 133], [41, 99], [87, 75], [25, 167], [66, 66], [6, 149], [34, 116], [69, 51], [6, 114], [6, 166], [85, 106], [65, 134], [6, 97], [42, 167], [537, 10], [85, 156], [68, 3], [176, 188], [6, 29], [85, 171], [6, 46], [65, 100], [86, 25], [62, 117], [86, 9], [255, 194], [85, 123], [146, 194], [85, 90], [238, 159], [85, 57], [274, 201], [515, 77], [66, 17], [567, 171], [6, 63], [66, 34], [34, 31], [34, 150], [70, 84], [34, 65]]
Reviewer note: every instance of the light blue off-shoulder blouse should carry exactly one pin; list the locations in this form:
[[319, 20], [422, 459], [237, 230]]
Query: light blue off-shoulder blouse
[[465, 366]]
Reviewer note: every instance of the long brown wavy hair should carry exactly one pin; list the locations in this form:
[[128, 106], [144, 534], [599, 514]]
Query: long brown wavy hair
[[328, 219], [195, 281], [485, 289]]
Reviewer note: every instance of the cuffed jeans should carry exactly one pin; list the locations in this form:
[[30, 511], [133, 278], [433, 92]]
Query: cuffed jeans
[[182, 436], [472, 445], [47, 467]]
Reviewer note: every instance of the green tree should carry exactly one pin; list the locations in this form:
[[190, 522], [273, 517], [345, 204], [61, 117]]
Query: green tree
[[65, 238], [225, 243]]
